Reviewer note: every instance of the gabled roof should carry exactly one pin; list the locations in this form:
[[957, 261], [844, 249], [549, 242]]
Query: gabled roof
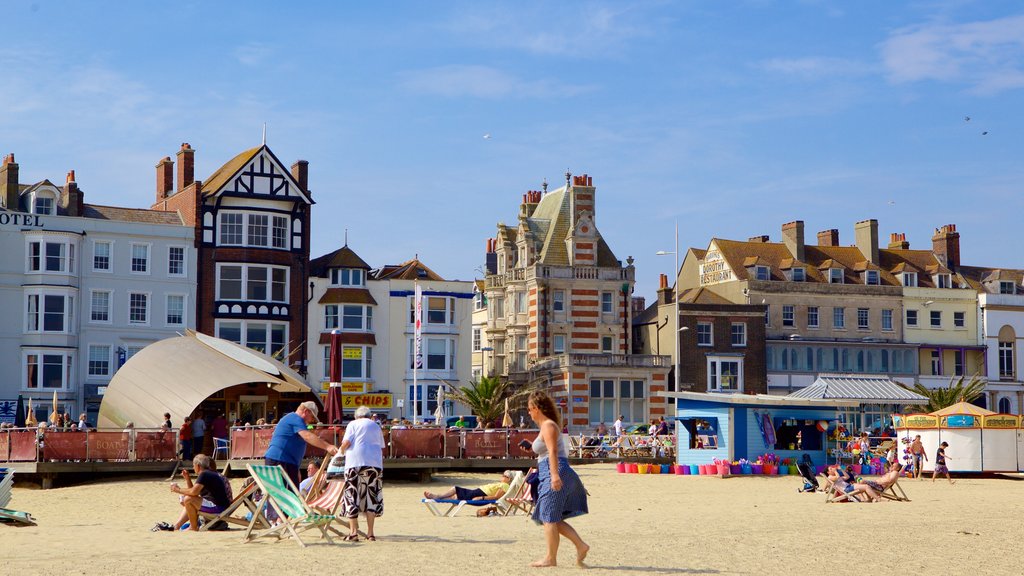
[[343, 257], [863, 388], [702, 296], [223, 175], [978, 276], [409, 270]]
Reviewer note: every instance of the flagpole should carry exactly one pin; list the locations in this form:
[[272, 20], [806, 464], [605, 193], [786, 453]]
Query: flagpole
[[417, 356]]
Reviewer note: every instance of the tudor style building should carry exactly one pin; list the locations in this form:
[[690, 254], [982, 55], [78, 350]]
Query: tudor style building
[[559, 309], [251, 219]]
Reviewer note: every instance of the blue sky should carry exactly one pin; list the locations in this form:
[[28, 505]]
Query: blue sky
[[731, 118]]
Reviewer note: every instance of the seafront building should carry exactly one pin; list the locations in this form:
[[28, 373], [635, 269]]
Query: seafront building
[[251, 224], [88, 286], [558, 305], [911, 315], [372, 311]]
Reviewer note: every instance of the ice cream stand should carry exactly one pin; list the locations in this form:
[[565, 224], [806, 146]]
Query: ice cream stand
[[979, 440]]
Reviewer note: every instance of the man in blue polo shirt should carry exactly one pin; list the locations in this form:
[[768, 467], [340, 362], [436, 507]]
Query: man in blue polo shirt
[[288, 445]]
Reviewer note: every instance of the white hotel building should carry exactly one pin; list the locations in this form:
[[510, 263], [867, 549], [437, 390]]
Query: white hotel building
[[86, 287]]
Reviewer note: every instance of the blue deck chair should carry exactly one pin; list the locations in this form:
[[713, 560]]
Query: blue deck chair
[[454, 505]]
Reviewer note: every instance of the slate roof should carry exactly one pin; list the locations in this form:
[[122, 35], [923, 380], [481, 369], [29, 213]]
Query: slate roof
[[551, 224], [868, 389], [140, 215]]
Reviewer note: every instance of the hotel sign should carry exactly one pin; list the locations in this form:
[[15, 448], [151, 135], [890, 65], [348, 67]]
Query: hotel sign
[[17, 219], [714, 269]]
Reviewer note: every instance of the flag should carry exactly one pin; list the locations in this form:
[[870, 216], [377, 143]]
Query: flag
[[418, 323]]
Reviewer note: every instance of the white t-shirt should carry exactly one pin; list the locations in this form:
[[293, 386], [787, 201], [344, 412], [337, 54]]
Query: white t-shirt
[[618, 427], [366, 447]]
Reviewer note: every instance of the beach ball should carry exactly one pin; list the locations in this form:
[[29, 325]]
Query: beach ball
[[822, 425]]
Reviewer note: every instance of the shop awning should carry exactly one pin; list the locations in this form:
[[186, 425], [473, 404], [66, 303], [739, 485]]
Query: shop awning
[[175, 375], [864, 388]]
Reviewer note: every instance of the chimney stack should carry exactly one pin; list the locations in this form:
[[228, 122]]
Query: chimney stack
[[9, 192], [581, 197], [664, 290], [866, 235], [300, 171], [164, 178], [946, 246], [898, 241], [75, 203], [186, 166], [762, 239], [491, 256], [828, 237], [793, 238]]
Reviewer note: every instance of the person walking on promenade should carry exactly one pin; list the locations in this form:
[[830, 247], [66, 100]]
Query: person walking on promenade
[[185, 438], [198, 433], [561, 494], [917, 456], [940, 463], [363, 447], [288, 444]]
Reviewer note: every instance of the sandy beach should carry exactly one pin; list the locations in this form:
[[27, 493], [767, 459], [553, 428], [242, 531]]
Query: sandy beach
[[638, 524]]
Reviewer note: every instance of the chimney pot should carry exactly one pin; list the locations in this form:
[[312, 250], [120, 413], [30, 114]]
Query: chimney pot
[[71, 177], [300, 171], [186, 166], [946, 246]]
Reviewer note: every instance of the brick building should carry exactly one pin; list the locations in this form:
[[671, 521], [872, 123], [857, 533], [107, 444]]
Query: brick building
[[251, 219], [559, 309]]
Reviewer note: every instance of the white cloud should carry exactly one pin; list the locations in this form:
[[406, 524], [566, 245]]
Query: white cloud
[[815, 66], [483, 82], [986, 56], [252, 53]]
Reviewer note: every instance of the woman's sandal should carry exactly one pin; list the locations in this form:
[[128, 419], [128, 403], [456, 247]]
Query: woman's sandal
[[351, 538], [371, 538], [162, 527]]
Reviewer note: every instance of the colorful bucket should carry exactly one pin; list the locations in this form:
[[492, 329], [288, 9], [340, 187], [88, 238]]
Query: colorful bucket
[[723, 470], [680, 470], [666, 469], [784, 470], [620, 467], [642, 468], [685, 469], [653, 469], [632, 469], [746, 469], [757, 469], [694, 469]]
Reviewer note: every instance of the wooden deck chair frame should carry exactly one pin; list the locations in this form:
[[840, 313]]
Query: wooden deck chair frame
[[837, 493], [523, 500], [895, 492], [280, 493], [243, 498]]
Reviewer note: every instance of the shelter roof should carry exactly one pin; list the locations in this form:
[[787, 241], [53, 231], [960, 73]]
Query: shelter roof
[[963, 408], [860, 387], [762, 400]]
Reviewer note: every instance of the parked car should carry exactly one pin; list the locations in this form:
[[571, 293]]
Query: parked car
[[640, 429], [470, 421]]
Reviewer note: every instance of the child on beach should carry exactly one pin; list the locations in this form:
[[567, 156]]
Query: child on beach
[[940, 463]]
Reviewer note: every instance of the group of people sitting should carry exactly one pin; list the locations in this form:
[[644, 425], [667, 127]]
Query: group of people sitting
[[844, 479]]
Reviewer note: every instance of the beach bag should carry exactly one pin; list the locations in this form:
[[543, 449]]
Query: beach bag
[[336, 468], [487, 511]]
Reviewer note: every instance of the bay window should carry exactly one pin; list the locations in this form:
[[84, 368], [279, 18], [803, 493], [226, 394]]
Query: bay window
[[47, 370], [257, 283], [267, 337]]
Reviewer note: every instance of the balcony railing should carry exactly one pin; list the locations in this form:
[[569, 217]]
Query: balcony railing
[[559, 273], [603, 360]]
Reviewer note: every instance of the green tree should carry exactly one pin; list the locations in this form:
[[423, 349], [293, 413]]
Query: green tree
[[957, 391], [486, 397]]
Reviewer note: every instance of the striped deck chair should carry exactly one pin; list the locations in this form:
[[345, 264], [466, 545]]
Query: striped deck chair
[[838, 493], [523, 500], [294, 514], [7, 515], [328, 501], [244, 498], [455, 505]]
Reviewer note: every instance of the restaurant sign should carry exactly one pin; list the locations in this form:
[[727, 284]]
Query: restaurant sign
[[1001, 421], [916, 421], [351, 402], [714, 270], [346, 387]]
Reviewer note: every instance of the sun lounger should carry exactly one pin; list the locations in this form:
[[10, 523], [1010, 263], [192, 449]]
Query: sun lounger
[[8, 516], [16, 517], [455, 505], [245, 498], [293, 513]]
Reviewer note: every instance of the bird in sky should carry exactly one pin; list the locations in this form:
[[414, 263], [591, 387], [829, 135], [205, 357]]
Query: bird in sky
[[892, 202], [985, 133], [967, 118], [487, 136]]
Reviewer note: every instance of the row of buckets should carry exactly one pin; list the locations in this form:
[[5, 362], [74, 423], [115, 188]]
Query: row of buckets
[[727, 469]]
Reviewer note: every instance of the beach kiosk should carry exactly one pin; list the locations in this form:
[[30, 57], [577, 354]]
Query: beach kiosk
[[744, 426], [979, 440]]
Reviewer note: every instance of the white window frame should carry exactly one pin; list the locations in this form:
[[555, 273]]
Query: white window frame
[[356, 277], [365, 318], [167, 309], [149, 258], [332, 321], [839, 313], [67, 257], [477, 338], [762, 273], [110, 306], [709, 332], [960, 322], [943, 281], [714, 375], [247, 218], [607, 301], [610, 347], [68, 315], [51, 210], [1007, 287], [365, 363], [871, 278], [149, 304], [67, 368], [836, 276], [245, 282], [558, 344], [558, 301], [916, 317], [909, 279], [798, 274], [274, 228], [109, 360], [935, 319], [184, 261], [887, 322], [110, 256], [220, 228], [863, 318], [451, 359], [816, 317], [740, 329], [243, 326], [788, 315]]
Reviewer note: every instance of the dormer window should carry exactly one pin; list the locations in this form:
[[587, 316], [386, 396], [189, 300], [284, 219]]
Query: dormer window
[[761, 273], [1007, 287], [798, 275], [347, 277], [43, 205], [871, 277], [909, 279], [835, 275], [942, 281]]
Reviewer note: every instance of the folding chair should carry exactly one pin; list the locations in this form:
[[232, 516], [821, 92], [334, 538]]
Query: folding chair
[[7, 515], [455, 505], [523, 500], [895, 492], [220, 446], [838, 492], [294, 514], [244, 498]]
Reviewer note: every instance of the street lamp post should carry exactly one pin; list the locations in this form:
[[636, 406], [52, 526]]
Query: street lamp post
[[483, 361], [675, 300]]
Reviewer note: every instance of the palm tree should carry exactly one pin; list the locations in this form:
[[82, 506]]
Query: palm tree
[[957, 391], [486, 397]]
